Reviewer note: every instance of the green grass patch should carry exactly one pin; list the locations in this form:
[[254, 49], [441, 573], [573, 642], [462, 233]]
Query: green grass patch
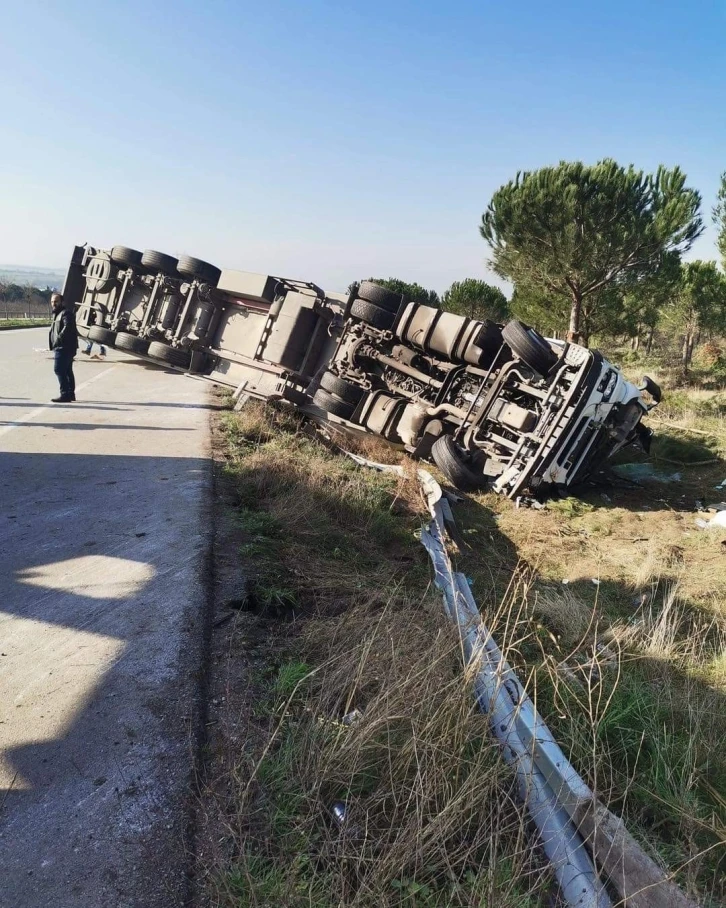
[[364, 703], [10, 323]]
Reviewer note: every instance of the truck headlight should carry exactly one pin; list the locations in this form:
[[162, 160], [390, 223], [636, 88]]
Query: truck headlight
[[610, 386]]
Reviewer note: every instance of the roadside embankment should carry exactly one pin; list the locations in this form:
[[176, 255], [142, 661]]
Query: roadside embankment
[[348, 761]]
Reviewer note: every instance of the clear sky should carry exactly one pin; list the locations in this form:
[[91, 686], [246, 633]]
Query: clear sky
[[335, 140]]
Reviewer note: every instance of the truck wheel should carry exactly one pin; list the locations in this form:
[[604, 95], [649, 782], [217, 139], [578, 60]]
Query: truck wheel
[[379, 296], [102, 336], [159, 262], [171, 355], [202, 271], [529, 346], [127, 258], [332, 404], [373, 315], [345, 390], [132, 343], [454, 464]]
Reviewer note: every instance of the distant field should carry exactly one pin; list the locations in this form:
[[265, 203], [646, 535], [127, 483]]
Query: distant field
[[35, 277]]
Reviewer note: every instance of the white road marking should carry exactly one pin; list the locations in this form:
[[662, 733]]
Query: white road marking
[[40, 410]]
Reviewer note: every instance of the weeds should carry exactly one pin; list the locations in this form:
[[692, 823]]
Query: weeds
[[371, 779], [428, 811]]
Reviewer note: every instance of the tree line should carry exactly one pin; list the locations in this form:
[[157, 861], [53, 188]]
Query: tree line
[[22, 299], [597, 250]]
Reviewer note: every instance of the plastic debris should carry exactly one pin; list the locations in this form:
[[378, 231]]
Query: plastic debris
[[339, 812], [341, 818], [643, 472], [719, 520], [524, 501]]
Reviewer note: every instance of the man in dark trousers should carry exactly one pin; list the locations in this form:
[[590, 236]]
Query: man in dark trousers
[[64, 344]]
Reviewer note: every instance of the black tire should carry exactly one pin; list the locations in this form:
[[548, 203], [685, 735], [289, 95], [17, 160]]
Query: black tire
[[171, 355], [132, 343], [102, 336], [332, 404], [489, 340], [379, 296], [126, 257], [345, 390], [452, 462], [201, 270], [159, 262], [373, 315], [529, 346]]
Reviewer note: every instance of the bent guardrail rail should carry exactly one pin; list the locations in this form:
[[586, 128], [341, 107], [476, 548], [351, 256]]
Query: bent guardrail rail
[[570, 820]]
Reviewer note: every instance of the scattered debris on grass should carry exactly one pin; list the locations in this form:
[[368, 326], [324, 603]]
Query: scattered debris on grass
[[716, 522], [343, 620], [644, 472]]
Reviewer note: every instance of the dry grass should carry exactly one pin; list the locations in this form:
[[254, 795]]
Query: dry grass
[[566, 614], [625, 649], [431, 818], [429, 815]]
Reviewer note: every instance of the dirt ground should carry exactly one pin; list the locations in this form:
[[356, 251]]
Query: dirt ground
[[238, 648]]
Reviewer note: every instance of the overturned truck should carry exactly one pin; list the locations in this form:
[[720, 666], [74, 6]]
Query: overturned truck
[[491, 405]]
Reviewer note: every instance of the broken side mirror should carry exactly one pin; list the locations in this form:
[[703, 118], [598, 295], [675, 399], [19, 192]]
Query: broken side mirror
[[647, 384]]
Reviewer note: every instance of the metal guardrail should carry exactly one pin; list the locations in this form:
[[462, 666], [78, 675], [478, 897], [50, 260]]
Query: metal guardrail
[[570, 820]]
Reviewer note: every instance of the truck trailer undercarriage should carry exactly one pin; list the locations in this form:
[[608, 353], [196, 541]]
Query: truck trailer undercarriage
[[491, 405]]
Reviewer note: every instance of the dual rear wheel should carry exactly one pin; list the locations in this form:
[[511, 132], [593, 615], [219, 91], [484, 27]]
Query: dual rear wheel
[[376, 305], [132, 344], [153, 262], [102, 336], [338, 396], [174, 356]]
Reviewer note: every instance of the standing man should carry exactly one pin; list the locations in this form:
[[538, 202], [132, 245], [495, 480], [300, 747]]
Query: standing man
[[63, 342]]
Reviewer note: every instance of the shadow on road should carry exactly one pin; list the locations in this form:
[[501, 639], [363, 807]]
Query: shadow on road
[[102, 603]]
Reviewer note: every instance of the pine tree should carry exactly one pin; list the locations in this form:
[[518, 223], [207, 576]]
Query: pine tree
[[476, 299], [574, 232]]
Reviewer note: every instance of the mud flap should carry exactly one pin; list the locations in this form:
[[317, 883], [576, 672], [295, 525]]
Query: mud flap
[[644, 437]]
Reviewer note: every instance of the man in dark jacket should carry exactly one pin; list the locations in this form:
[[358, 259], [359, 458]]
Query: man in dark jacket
[[63, 342]]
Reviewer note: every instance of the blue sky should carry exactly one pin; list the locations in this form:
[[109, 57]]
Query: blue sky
[[333, 140]]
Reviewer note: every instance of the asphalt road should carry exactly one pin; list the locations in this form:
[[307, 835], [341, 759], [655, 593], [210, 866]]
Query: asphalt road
[[103, 547]]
